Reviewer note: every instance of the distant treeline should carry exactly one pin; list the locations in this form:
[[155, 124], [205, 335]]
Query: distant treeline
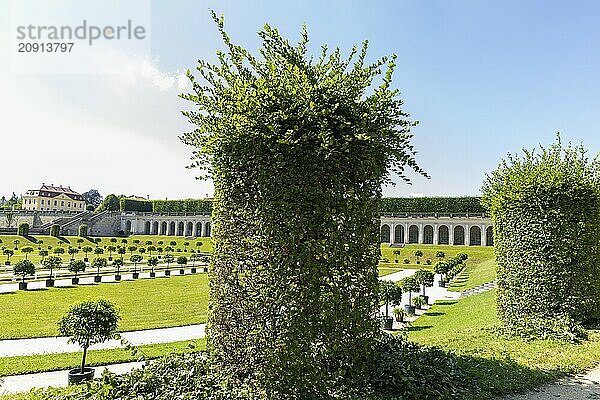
[[389, 205]]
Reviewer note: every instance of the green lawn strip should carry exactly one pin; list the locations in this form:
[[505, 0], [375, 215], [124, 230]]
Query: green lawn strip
[[476, 254], [144, 304], [501, 366], [383, 271], [54, 362], [474, 274], [71, 241]]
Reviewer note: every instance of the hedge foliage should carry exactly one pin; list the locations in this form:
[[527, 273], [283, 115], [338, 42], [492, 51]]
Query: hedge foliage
[[135, 205], [545, 207], [188, 205], [297, 162], [23, 229], [440, 205]]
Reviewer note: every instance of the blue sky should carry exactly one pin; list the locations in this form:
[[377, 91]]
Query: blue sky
[[483, 79]]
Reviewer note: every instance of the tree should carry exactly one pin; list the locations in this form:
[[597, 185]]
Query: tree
[[135, 259], [169, 259], [99, 262], [151, 249], [121, 251], [8, 253], [26, 251], [16, 243], [110, 203], [389, 293], [410, 285], [182, 261], [118, 263], [58, 250], [77, 266], [88, 323], [51, 263], [110, 249], [98, 250], [396, 255], [43, 254], [131, 249], [152, 262], [72, 251], [86, 250], [92, 197], [440, 254], [24, 268], [424, 278], [418, 255], [310, 142]]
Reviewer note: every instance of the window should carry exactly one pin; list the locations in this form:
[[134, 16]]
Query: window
[[69, 204], [62, 203], [42, 201], [55, 204]]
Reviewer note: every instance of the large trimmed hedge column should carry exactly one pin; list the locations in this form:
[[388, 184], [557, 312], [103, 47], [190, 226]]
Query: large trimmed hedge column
[[545, 207], [298, 152]]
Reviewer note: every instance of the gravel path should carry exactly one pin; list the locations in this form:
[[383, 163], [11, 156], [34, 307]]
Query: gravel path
[[580, 387]]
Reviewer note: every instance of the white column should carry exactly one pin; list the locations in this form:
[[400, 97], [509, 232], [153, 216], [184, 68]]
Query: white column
[[467, 235], [451, 234], [406, 233], [392, 233], [421, 233], [436, 238], [483, 235], [194, 229]]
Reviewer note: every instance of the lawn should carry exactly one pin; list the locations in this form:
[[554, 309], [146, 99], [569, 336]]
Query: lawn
[[474, 274], [53, 362], [500, 366], [476, 254], [144, 304]]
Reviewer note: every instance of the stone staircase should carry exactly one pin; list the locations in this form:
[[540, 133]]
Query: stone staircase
[[62, 221], [478, 289]]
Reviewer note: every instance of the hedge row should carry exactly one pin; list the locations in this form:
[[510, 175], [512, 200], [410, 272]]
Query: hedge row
[[188, 205], [136, 205], [442, 205]]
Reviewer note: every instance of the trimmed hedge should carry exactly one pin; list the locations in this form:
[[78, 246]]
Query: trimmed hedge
[[135, 205], [425, 205], [23, 229], [546, 212], [187, 205]]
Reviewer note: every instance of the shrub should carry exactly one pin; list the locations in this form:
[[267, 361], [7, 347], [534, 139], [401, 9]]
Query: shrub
[[83, 230], [24, 268], [77, 266], [406, 261], [23, 229], [284, 312], [430, 205], [188, 205], [55, 230], [545, 208], [135, 205], [389, 293]]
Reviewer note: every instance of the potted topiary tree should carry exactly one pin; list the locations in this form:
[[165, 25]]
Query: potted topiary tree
[[152, 262], [118, 263], [182, 261], [86, 324], [389, 293], [111, 249], [8, 253], [193, 258], [396, 255], [418, 255], [51, 263], [425, 279], [168, 259], [398, 314], [26, 251], [135, 259], [86, 250], [410, 285], [23, 268], [99, 262], [441, 268], [76, 266], [419, 302]]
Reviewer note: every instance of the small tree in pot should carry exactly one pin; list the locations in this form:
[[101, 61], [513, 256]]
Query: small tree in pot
[[410, 285], [398, 313], [441, 268], [86, 324], [8, 253], [76, 266], [389, 293], [118, 263], [51, 263], [23, 268], [152, 262], [396, 255], [418, 255], [425, 279], [135, 259], [168, 259], [99, 262], [86, 250], [26, 251], [182, 261], [193, 258]]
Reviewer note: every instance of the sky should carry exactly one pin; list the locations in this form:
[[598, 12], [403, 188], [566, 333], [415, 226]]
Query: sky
[[483, 78]]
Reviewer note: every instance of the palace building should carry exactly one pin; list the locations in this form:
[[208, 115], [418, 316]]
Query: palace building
[[53, 198]]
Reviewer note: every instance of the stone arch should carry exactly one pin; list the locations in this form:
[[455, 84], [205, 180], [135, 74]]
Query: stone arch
[[459, 235], [475, 236], [163, 228], [207, 229], [155, 228], [428, 234], [147, 227], [189, 229], [172, 228], [399, 234], [413, 234], [385, 233], [180, 228], [198, 228], [489, 236], [443, 235], [127, 227]]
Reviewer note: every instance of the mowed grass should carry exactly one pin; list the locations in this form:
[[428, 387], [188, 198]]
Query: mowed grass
[[476, 254], [54, 362], [474, 275], [144, 304], [42, 242], [499, 365]]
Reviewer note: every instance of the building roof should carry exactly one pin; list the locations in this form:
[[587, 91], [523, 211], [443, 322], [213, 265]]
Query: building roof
[[53, 191]]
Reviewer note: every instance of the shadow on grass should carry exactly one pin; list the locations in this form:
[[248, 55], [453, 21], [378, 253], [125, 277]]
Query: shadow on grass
[[412, 328], [434, 314]]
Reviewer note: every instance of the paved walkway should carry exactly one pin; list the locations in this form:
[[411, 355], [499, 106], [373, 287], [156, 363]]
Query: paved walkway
[[24, 383], [55, 345]]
